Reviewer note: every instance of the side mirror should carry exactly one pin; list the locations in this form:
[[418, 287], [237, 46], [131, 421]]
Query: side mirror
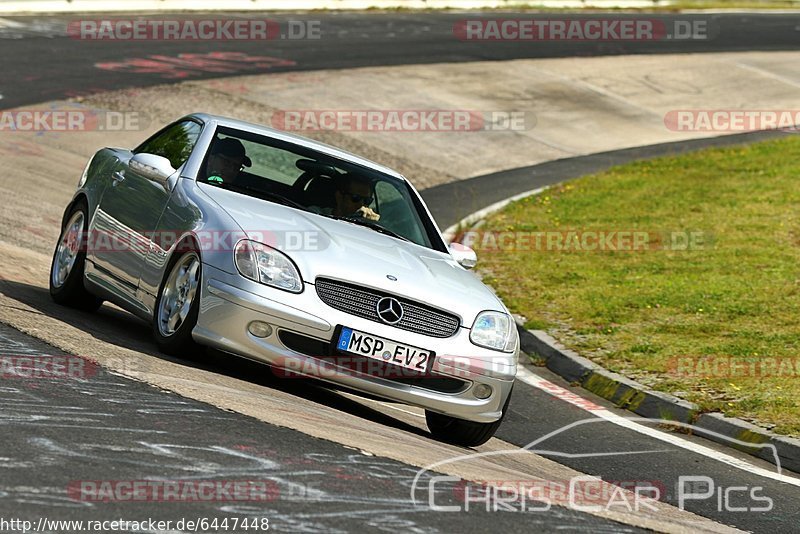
[[152, 167], [464, 255]]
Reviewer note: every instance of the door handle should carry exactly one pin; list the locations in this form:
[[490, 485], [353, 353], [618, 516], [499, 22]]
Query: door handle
[[117, 176]]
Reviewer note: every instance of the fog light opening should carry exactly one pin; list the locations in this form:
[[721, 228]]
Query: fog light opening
[[482, 391], [260, 329]]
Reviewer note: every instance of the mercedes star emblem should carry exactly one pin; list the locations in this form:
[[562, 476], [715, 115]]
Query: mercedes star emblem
[[389, 310]]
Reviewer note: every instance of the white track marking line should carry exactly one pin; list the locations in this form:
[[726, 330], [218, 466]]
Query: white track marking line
[[8, 23], [768, 74], [538, 382]]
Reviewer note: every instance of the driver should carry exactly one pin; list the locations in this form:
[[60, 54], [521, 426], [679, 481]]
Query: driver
[[353, 196], [226, 160]]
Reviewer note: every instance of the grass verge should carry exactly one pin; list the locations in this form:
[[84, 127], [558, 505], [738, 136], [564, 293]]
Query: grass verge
[[682, 273], [659, 6]]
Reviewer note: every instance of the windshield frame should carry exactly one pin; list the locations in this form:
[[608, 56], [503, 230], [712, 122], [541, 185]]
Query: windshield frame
[[427, 225]]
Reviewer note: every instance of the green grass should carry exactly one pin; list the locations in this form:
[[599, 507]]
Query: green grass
[[679, 5], [657, 6], [735, 295]]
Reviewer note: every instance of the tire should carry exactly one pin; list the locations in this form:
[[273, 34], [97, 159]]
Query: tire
[[461, 432], [69, 262], [178, 305]]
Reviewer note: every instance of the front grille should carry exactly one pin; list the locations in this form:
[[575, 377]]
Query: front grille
[[362, 302], [358, 365]]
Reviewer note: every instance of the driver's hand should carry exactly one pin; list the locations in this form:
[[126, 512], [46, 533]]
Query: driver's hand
[[367, 213]]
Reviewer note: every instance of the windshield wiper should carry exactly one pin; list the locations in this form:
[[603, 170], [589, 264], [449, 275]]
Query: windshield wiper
[[369, 224], [277, 197], [266, 195]]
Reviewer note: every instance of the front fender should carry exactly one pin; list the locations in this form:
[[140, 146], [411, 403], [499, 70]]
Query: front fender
[[189, 214]]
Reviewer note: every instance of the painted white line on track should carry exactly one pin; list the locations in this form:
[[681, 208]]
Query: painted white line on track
[[525, 375], [768, 74], [557, 391], [8, 23]]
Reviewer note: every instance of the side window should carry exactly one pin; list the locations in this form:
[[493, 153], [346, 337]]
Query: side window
[[174, 143]]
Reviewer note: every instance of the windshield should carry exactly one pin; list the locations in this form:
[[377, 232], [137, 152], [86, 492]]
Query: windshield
[[285, 173]]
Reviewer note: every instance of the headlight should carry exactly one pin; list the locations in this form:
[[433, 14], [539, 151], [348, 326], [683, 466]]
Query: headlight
[[494, 330], [264, 264]]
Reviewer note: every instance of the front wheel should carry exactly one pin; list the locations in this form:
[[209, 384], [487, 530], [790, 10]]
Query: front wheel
[[461, 432], [178, 305], [69, 260]]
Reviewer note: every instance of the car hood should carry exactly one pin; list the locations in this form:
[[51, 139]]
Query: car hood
[[324, 247]]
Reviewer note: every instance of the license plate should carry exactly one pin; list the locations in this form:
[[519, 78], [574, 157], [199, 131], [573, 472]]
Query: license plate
[[383, 349]]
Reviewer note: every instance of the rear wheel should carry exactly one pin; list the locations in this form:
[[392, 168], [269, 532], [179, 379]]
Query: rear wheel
[[69, 260], [461, 432], [178, 305]]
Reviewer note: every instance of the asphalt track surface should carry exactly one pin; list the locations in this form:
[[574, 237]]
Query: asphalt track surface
[[40, 458], [70, 432], [42, 60]]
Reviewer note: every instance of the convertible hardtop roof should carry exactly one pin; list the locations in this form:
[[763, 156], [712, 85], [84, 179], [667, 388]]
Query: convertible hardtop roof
[[299, 140]]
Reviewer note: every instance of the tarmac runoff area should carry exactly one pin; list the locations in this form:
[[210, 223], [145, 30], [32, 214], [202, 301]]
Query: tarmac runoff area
[[579, 106]]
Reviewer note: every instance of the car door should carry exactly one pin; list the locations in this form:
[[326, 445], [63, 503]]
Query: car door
[[131, 206]]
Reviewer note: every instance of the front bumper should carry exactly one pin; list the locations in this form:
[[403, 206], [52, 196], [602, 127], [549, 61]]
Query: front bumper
[[229, 303]]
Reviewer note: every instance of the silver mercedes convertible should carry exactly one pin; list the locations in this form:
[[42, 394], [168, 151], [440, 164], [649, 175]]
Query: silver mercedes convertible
[[293, 253]]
